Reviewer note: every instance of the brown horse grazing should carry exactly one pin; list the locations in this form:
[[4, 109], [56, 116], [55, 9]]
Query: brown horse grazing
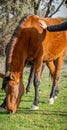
[[32, 43]]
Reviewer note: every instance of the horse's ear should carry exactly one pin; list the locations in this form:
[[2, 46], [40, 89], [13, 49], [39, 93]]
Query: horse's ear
[[14, 76], [1, 75]]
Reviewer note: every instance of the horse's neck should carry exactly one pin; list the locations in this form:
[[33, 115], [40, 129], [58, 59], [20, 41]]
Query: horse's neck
[[16, 64]]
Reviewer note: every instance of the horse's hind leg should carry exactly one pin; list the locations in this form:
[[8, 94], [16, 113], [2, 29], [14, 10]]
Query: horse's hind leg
[[51, 67], [54, 91], [43, 66], [30, 79]]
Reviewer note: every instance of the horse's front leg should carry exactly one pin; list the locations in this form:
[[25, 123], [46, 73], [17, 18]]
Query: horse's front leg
[[31, 77], [54, 91], [37, 73]]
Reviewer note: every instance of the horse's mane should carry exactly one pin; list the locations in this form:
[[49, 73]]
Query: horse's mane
[[11, 43]]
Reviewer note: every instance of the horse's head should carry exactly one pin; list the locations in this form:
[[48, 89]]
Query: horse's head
[[14, 90]]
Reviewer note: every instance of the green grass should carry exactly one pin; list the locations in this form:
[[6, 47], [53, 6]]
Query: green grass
[[48, 117]]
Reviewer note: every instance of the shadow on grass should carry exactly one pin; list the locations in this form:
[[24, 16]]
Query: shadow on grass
[[41, 112], [32, 101]]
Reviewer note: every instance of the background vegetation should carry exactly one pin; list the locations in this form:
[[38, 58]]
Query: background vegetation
[[11, 11]]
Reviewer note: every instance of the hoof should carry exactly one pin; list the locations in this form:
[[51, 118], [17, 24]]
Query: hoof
[[55, 97], [34, 107], [2, 109], [27, 92], [51, 101]]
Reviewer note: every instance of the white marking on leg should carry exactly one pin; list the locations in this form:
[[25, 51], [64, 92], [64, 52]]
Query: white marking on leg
[[55, 97], [51, 101], [34, 107]]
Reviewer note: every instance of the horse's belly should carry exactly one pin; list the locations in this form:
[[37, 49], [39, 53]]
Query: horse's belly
[[50, 56], [53, 49]]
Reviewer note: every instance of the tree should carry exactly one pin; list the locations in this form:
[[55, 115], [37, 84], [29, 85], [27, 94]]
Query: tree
[[47, 7], [11, 11]]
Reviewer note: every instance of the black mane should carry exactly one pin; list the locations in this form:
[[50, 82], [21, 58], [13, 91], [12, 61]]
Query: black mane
[[10, 44]]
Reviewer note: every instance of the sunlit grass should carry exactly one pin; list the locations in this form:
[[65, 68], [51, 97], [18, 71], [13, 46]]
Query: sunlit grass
[[48, 117]]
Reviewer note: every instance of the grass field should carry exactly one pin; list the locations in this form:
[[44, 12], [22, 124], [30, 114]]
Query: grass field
[[48, 117]]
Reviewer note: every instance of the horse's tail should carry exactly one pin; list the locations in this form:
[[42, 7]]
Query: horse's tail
[[66, 42]]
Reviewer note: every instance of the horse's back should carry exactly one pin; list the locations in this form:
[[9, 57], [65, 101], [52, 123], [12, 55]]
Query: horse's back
[[55, 43]]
